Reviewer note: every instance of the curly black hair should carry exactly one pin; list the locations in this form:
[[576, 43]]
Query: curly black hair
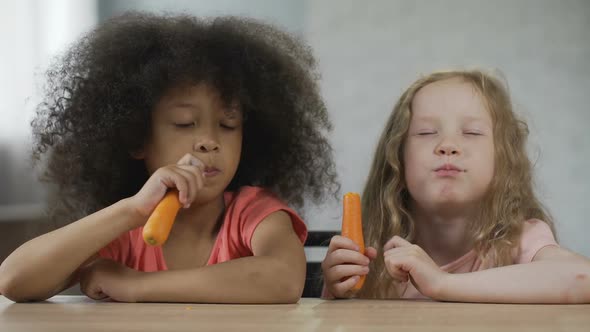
[[101, 93]]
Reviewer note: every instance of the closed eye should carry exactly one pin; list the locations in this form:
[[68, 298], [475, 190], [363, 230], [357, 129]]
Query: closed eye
[[426, 133], [473, 133], [185, 125], [224, 126]]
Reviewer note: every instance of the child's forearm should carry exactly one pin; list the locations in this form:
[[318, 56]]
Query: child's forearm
[[537, 282], [256, 279], [44, 266]]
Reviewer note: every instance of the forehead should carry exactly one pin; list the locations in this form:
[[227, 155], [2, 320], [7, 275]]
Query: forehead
[[450, 97], [190, 94], [198, 97]]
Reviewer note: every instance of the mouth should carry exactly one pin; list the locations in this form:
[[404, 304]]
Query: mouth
[[448, 170], [211, 171]]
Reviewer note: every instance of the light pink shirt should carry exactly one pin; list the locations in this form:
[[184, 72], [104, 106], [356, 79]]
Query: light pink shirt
[[536, 235], [245, 209]]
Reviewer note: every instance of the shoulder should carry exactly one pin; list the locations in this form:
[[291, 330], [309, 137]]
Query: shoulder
[[534, 230], [536, 234], [249, 206], [254, 202], [247, 195]]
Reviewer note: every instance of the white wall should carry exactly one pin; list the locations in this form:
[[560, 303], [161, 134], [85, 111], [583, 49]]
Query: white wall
[[32, 32], [286, 13], [370, 51]]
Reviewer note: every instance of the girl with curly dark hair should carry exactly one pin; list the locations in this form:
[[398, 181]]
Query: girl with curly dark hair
[[227, 111]]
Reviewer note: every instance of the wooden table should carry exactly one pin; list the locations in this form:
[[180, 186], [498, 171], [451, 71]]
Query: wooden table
[[78, 313]]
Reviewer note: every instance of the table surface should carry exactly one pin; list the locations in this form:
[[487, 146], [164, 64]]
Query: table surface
[[79, 313]]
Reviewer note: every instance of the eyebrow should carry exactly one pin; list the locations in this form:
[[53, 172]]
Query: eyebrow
[[183, 104], [471, 119], [467, 118], [231, 112]]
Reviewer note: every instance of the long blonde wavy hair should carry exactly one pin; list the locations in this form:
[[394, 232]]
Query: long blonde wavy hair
[[510, 199]]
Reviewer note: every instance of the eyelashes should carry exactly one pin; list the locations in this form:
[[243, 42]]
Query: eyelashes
[[468, 132], [187, 125], [184, 125]]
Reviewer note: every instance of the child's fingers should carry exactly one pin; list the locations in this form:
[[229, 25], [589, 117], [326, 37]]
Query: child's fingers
[[344, 256], [173, 179], [96, 293], [371, 253], [196, 174], [339, 289], [194, 180], [89, 285], [399, 276], [341, 242], [396, 242], [189, 159], [395, 267], [339, 272], [397, 253]]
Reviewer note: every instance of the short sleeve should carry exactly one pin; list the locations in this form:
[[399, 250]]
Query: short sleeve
[[254, 205], [536, 234]]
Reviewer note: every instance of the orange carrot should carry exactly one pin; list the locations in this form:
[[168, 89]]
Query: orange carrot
[[352, 226], [159, 224]]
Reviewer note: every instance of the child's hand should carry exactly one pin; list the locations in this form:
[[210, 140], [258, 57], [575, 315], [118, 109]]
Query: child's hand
[[344, 264], [186, 176], [105, 278], [404, 261]]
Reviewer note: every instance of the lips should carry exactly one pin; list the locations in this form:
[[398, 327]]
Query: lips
[[448, 167], [447, 170], [210, 171]]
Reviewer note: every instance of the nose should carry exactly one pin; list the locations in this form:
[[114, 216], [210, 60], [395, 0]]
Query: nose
[[206, 144], [447, 148]]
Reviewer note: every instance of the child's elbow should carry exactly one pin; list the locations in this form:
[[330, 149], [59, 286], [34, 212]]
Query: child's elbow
[[579, 290], [290, 288], [13, 288], [291, 294], [10, 289]]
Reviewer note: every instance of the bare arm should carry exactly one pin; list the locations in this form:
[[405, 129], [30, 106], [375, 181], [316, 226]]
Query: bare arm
[[44, 266], [555, 276], [274, 274], [49, 263]]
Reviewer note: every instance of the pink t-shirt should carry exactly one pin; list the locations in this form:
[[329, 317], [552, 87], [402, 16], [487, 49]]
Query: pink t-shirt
[[536, 234], [245, 209]]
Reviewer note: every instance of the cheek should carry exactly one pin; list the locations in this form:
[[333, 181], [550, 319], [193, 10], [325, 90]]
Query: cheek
[[487, 164], [414, 176], [414, 159], [234, 147]]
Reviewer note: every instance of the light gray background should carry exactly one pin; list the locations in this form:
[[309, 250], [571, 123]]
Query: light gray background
[[369, 51]]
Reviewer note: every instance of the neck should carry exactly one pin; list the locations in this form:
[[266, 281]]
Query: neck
[[443, 234], [199, 220]]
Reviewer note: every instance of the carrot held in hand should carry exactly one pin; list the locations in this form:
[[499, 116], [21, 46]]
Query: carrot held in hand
[[159, 224], [352, 226]]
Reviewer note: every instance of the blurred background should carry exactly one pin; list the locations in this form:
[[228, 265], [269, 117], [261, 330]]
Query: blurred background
[[368, 52]]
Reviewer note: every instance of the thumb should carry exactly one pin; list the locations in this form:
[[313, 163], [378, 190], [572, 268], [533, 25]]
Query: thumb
[[396, 242], [371, 253]]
